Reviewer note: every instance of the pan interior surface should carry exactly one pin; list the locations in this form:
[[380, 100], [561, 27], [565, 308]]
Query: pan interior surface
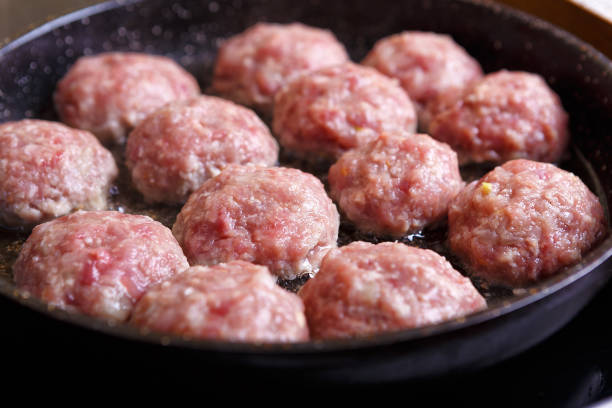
[[190, 32]]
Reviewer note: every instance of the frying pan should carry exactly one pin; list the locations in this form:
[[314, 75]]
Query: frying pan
[[189, 32]]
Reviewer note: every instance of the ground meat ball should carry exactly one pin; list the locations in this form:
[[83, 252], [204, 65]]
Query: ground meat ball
[[177, 148], [235, 301], [365, 289], [277, 217], [253, 65], [426, 64], [111, 93], [506, 115], [396, 184], [524, 221], [330, 111], [48, 169], [98, 262]]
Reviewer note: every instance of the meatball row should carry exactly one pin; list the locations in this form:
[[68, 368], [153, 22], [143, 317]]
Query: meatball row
[[121, 266], [124, 267]]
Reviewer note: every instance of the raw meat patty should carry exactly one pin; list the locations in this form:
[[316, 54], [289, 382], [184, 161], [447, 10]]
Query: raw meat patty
[[111, 93], [332, 110], [174, 150], [524, 221], [396, 184], [426, 64], [235, 301], [253, 65], [365, 289], [48, 169], [506, 115], [97, 262], [278, 217]]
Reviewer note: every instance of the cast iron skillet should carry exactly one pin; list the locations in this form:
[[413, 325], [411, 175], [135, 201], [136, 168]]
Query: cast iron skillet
[[189, 31]]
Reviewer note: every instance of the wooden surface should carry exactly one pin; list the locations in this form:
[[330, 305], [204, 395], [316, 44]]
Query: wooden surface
[[19, 16], [603, 8], [572, 17]]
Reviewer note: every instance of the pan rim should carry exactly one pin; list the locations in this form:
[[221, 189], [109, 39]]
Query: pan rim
[[593, 259]]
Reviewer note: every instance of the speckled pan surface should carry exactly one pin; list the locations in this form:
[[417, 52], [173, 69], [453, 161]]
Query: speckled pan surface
[[189, 31]]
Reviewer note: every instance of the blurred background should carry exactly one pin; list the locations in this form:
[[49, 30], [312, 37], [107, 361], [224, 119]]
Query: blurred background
[[590, 20]]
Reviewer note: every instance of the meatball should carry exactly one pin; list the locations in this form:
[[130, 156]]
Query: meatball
[[396, 184], [278, 217], [506, 115], [426, 64], [252, 66], [235, 301], [174, 150], [364, 289], [111, 93], [332, 110], [98, 263], [48, 169], [523, 221]]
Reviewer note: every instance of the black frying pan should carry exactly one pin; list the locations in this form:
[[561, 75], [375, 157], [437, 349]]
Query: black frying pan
[[188, 31]]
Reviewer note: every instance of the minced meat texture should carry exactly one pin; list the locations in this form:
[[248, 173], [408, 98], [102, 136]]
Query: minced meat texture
[[234, 301], [335, 109], [97, 262], [523, 222], [396, 184], [183, 144], [111, 93], [365, 289], [278, 217], [48, 170]]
